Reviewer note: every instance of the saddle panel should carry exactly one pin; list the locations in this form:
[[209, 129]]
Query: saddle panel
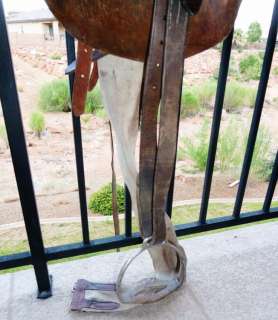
[[121, 27]]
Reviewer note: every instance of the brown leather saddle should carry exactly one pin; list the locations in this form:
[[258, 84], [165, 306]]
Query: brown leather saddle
[[122, 27], [168, 36]]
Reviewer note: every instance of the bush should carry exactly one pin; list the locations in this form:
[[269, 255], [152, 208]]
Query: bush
[[205, 93], [275, 71], [250, 67], [234, 97], [56, 56], [250, 97], [264, 169], [239, 40], [233, 70], [232, 146], [101, 113], [3, 134], [254, 33], [231, 149], [54, 96], [37, 123], [101, 201], [94, 101], [197, 150], [261, 156], [228, 152], [190, 105]]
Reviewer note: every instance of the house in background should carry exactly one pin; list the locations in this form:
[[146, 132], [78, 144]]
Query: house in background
[[40, 23]]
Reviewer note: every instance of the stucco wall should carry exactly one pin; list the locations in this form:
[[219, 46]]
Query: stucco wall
[[36, 29], [28, 28]]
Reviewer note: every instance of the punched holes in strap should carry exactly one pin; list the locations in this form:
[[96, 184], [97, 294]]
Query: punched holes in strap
[[81, 80]]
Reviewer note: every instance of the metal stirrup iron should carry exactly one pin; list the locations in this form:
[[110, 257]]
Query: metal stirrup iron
[[162, 85]]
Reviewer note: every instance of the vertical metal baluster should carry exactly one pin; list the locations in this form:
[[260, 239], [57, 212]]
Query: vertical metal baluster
[[15, 132], [128, 214], [270, 47], [271, 186], [78, 149], [170, 198], [217, 114]]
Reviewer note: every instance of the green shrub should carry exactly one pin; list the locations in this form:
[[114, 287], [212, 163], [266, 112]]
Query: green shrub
[[37, 123], [263, 171], [262, 155], [234, 97], [94, 101], [233, 70], [228, 152], [231, 149], [56, 56], [85, 118], [54, 96], [254, 33], [219, 46], [205, 93], [3, 134], [196, 149], [250, 67], [275, 71], [239, 39], [101, 201], [237, 96], [101, 113], [250, 97], [190, 105]]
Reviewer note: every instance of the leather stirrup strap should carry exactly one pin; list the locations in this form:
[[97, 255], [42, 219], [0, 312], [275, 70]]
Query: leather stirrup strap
[[81, 80], [149, 104], [163, 76], [169, 114]]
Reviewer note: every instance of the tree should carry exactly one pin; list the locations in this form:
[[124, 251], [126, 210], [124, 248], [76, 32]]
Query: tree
[[254, 33], [239, 40]]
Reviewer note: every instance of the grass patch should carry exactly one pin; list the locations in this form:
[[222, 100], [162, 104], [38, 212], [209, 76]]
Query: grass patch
[[14, 241], [37, 123]]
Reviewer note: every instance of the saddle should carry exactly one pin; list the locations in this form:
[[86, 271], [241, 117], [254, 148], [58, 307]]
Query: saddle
[[165, 36]]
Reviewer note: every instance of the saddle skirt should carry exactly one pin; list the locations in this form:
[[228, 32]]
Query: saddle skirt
[[122, 27]]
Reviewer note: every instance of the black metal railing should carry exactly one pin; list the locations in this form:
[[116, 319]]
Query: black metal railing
[[39, 255]]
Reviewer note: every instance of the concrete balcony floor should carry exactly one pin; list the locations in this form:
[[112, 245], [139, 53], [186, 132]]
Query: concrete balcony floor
[[232, 275]]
